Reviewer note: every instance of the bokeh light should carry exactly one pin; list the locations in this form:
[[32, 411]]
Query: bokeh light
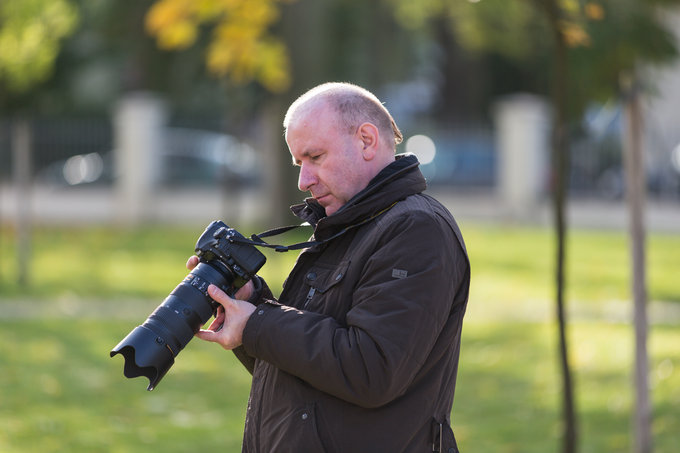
[[423, 147]]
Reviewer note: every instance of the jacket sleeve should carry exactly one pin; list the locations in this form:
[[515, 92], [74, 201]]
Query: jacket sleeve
[[399, 307], [261, 294]]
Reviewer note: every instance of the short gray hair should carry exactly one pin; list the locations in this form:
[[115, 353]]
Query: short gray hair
[[354, 105]]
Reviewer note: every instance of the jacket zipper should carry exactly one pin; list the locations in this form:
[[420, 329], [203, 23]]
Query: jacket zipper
[[310, 294]]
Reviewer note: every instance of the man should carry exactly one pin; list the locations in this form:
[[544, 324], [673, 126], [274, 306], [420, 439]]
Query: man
[[360, 352]]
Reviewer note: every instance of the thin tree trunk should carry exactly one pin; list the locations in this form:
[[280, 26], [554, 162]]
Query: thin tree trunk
[[561, 173], [635, 185], [561, 167]]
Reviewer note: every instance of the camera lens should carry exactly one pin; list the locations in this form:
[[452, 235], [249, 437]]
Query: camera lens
[[150, 349], [228, 261]]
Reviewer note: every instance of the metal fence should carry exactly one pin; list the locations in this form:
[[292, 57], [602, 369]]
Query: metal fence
[[597, 169], [466, 158], [55, 140]]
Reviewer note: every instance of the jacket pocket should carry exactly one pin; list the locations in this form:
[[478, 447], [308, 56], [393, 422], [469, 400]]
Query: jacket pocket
[[319, 280], [296, 432]]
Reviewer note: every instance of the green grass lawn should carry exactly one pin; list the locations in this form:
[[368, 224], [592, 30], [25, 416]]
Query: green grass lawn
[[510, 264], [60, 391]]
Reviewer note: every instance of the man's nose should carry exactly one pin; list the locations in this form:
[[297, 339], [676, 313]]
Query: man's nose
[[306, 179]]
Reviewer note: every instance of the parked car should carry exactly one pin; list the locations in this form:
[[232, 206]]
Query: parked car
[[463, 160], [193, 157], [80, 169], [188, 157]]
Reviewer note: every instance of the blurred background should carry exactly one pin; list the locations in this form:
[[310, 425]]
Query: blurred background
[[126, 126]]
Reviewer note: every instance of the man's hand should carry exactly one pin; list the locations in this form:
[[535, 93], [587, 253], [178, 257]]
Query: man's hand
[[232, 316]]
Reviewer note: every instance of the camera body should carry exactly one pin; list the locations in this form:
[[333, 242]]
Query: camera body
[[240, 262], [149, 350]]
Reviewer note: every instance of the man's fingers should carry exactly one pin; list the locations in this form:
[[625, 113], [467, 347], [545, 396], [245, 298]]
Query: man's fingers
[[220, 297], [207, 335], [192, 262], [210, 334], [245, 291], [234, 313], [216, 323]]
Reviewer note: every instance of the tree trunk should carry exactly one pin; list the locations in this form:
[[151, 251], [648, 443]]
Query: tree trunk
[[635, 191], [561, 171], [560, 165]]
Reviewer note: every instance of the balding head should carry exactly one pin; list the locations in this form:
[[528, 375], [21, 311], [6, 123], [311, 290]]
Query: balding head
[[353, 105]]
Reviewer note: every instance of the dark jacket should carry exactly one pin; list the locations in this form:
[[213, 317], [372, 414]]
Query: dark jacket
[[360, 353]]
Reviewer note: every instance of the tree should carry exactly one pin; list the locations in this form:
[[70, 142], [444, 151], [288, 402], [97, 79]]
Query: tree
[[30, 35], [625, 34], [560, 173], [241, 46], [635, 183]]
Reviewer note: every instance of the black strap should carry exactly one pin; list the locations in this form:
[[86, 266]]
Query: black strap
[[256, 239]]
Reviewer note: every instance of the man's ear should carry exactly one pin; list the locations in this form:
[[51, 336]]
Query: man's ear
[[369, 136]]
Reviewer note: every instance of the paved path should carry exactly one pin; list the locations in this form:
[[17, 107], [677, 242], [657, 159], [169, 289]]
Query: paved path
[[98, 206], [136, 311]]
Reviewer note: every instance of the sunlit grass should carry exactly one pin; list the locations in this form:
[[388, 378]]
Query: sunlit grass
[[515, 264], [510, 264], [108, 263], [60, 391], [508, 393]]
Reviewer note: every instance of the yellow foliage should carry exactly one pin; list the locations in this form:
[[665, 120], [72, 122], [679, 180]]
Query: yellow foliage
[[165, 13], [570, 6], [574, 34], [207, 10], [594, 11], [275, 76], [241, 47], [172, 23]]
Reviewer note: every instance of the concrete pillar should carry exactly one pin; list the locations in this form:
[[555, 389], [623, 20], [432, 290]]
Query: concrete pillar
[[22, 176], [660, 116], [522, 124], [139, 119]]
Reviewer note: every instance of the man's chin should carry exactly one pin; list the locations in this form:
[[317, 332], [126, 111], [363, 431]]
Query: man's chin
[[331, 209], [327, 204]]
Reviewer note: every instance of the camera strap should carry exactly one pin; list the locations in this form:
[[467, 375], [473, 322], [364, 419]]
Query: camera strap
[[256, 239]]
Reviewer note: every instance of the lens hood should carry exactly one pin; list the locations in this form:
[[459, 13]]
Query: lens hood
[[146, 354]]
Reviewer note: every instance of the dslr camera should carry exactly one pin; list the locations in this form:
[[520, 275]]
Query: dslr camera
[[227, 261]]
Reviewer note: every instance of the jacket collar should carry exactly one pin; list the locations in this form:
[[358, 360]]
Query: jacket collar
[[395, 182]]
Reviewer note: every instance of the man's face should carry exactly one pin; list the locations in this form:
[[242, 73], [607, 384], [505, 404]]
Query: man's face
[[331, 164]]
